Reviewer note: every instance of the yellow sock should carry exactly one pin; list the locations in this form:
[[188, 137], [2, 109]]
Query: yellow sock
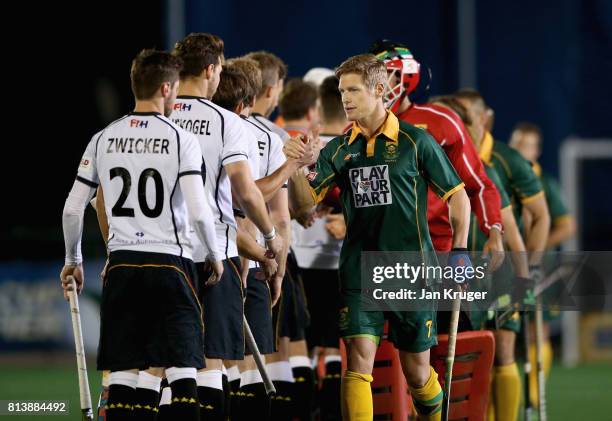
[[547, 357], [357, 397], [428, 399], [507, 392], [491, 406]]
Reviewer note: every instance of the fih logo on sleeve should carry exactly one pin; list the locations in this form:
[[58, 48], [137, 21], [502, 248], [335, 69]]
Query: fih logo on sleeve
[[85, 164], [371, 186]]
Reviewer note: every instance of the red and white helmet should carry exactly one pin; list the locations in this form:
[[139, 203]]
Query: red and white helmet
[[403, 75]]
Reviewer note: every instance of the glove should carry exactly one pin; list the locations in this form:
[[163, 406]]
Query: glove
[[459, 257], [522, 293], [535, 273]]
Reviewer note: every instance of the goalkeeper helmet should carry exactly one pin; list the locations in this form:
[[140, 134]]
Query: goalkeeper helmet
[[403, 71]]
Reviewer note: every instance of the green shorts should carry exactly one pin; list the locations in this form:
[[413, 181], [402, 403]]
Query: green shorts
[[410, 331], [552, 314], [513, 323]]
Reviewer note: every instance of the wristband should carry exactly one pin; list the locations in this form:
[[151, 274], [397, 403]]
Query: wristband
[[271, 235]]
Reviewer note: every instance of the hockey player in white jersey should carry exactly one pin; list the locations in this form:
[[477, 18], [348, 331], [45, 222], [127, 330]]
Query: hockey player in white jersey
[[273, 72], [151, 318], [223, 139], [251, 397], [317, 252]]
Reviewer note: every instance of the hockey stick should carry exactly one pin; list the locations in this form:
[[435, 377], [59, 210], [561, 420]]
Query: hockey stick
[[539, 333], [250, 340], [527, 368], [87, 414], [504, 302], [450, 356]]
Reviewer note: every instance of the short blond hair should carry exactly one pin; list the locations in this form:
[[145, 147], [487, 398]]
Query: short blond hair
[[371, 69]]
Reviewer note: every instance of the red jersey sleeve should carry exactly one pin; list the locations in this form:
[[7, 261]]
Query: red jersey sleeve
[[456, 142]]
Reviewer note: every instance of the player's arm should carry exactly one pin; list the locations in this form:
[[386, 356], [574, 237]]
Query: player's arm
[[250, 249], [202, 221], [301, 204], [514, 240], [484, 196], [528, 188], [320, 179], [272, 183], [445, 182], [459, 213], [279, 212], [537, 236], [98, 202], [72, 217], [306, 190], [248, 197], [72, 223], [486, 204], [300, 155], [252, 203], [518, 256], [245, 238], [563, 224], [101, 214], [243, 243], [190, 171], [301, 201], [563, 228], [490, 247]]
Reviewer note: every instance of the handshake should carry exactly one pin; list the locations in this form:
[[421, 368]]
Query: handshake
[[304, 149]]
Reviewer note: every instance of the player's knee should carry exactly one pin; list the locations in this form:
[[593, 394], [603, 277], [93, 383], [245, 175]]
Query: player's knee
[[283, 348], [417, 376], [248, 363], [415, 367], [331, 351], [360, 355], [213, 364], [298, 348], [155, 371]]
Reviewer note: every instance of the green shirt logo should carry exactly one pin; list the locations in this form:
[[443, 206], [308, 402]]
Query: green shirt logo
[[391, 153], [371, 186]]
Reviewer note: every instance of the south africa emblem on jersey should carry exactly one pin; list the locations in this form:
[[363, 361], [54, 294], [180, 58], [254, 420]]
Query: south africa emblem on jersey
[[391, 152]]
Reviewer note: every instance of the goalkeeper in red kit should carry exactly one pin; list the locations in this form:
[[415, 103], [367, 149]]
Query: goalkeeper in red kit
[[448, 130]]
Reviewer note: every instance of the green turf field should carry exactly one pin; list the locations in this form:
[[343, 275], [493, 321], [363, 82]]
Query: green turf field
[[46, 383], [582, 393]]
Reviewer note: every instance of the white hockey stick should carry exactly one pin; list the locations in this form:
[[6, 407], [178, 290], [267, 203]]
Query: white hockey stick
[[87, 414]]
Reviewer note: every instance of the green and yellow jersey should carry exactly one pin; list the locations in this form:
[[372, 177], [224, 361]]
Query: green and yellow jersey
[[517, 184], [515, 172], [383, 181]]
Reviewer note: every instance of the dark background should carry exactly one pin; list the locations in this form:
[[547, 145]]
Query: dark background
[[549, 62]]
